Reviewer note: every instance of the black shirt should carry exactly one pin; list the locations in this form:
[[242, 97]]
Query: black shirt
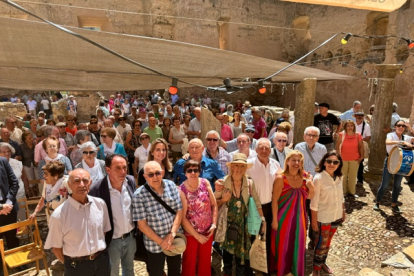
[[325, 125]]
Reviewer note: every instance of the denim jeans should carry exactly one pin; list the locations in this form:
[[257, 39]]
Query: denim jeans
[[122, 251], [386, 177]]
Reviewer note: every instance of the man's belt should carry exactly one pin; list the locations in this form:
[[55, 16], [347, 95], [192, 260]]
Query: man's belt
[[126, 235], [87, 257]]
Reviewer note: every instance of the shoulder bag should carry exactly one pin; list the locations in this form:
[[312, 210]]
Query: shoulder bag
[[258, 253], [221, 223], [254, 221], [366, 145]]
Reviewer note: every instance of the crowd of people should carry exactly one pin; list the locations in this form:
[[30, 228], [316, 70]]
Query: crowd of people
[[138, 177]]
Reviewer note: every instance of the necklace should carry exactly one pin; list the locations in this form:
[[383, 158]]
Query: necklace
[[191, 189]]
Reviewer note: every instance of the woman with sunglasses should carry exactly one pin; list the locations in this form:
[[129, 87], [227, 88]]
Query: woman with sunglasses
[[90, 163], [395, 138], [108, 145], [177, 134], [159, 153], [327, 207], [199, 220], [350, 146], [71, 124]]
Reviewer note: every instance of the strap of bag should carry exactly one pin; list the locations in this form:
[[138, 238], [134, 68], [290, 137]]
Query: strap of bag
[[310, 154], [160, 201], [277, 158], [363, 127]]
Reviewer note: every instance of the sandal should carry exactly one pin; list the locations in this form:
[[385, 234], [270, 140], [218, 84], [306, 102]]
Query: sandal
[[327, 269]]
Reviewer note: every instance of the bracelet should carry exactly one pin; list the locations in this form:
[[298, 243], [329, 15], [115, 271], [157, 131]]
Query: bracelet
[[263, 219]]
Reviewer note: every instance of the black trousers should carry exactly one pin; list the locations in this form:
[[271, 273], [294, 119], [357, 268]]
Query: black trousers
[[101, 266], [360, 175], [156, 261], [311, 233], [267, 213], [10, 236]]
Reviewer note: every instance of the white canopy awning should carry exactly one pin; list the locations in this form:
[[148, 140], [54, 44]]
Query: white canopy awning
[[37, 56]]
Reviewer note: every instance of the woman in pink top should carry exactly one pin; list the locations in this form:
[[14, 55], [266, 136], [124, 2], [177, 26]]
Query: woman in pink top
[[199, 221], [351, 148]]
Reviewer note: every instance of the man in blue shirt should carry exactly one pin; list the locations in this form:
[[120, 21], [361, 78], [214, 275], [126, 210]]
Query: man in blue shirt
[[210, 169], [348, 114]]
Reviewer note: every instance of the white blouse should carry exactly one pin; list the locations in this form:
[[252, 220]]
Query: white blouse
[[328, 197]]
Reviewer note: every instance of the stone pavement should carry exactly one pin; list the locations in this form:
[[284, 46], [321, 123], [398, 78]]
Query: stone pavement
[[366, 239]]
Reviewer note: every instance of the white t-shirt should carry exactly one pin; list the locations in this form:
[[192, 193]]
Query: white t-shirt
[[393, 137], [126, 107], [45, 104], [31, 104], [367, 129], [142, 154]]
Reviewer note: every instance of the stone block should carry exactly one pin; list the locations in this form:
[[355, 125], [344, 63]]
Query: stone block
[[399, 272], [398, 260], [409, 252], [208, 122], [368, 272]]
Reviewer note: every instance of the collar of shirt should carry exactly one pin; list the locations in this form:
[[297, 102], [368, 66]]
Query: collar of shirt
[[124, 184], [77, 205]]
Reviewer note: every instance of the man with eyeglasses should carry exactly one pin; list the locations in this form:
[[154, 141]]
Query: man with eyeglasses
[[123, 128], [325, 122], [280, 150], [264, 172], [313, 153], [210, 169], [158, 225], [213, 151], [70, 228], [117, 190], [231, 146], [243, 146]]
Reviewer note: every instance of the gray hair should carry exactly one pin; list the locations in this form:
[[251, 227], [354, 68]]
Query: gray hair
[[357, 103], [263, 139], [48, 130], [244, 135], [88, 144], [3, 144], [394, 107], [213, 132], [81, 134], [312, 128]]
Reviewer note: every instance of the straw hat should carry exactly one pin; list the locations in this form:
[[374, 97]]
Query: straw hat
[[179, 243], [240, 158], [247, 103], [230, 117]]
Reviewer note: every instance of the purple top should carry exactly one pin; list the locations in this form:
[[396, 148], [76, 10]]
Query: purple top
[[198, 207]]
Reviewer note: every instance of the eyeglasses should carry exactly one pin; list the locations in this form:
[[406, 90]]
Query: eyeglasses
[[335, 162], [122, 119], [151, 175], [312, 136], [89, 152], [249, 131], [192, 171], [281, 141], [400, 126], [103, 136], [212, 139]]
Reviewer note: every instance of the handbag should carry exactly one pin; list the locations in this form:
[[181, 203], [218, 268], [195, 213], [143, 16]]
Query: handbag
[[221, 223], [232, 231], [254, 221], [257, 254]]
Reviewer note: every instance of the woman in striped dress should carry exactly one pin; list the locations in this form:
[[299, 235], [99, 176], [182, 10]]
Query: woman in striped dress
[[290, 191]]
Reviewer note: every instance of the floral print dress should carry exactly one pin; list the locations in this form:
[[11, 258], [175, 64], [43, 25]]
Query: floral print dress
[[55, 195], [237, 214]]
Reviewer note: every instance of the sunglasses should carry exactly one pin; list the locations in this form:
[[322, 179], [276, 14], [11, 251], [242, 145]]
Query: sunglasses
[[122, 119], [281, 141], [89, 152], [151, 175], [192, 171], [401, 126], [212, 139], [104, 136], [250, 131], [335, 162]]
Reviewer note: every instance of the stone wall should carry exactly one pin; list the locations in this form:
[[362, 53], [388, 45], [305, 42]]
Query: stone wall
[[10, 109], [272, 29]]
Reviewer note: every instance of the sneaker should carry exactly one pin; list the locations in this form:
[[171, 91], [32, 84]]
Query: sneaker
[[376, 207], [396, 209]]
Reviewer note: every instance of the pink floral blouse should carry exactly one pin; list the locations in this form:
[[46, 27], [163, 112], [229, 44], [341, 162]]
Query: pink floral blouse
[[198, 207]]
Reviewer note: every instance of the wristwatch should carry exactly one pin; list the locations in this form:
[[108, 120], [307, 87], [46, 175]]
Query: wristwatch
[[173, 234]]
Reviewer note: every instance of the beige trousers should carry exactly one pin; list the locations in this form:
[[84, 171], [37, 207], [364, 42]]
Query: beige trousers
[[349, 171]]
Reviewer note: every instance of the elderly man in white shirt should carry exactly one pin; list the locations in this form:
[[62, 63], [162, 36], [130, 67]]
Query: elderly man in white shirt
[[243, 146], [263, 173], [77, 230]]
